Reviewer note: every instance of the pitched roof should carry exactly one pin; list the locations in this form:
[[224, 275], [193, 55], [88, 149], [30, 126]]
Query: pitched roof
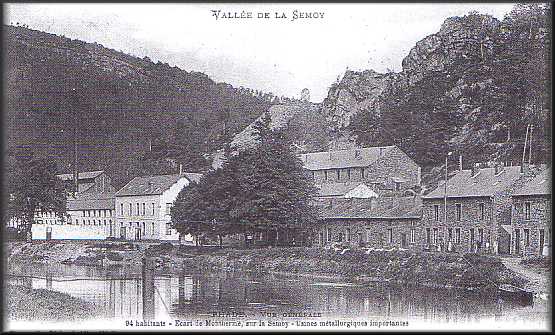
[[85, 201], [485, 183], [377, 208], [358, 157], [540, 185], [81, 175], [147, 185]]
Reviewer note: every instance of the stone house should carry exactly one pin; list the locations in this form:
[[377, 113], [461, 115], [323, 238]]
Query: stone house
[[90, 181], [387, 170], [531, 217], [386, 222], [89, 216], [143, 207], [478, 210]]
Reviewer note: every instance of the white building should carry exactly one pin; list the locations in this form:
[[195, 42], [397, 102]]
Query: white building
[[143, 207], [89, 216]]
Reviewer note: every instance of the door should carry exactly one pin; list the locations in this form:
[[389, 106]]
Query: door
[[542, 240], [138, 234], [122, 234], [517, 241], [403, 240], [48, 233]]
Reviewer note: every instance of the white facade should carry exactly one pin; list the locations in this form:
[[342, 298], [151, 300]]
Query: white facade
[[147, 217], [79, 224]]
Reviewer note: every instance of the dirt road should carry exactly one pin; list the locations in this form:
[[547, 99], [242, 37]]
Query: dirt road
[[539, 279]]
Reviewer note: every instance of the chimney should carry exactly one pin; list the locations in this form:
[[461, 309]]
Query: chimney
[[180, 169], [475, 169], [499, 167]]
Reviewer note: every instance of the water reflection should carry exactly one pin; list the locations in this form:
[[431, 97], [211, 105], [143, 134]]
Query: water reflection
[[120, 293]]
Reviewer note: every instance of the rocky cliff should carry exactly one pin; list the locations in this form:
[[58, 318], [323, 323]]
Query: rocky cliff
[[472, 87]]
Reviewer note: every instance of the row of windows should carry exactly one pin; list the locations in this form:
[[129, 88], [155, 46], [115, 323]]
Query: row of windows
[[88, 222], [527, 209], [143, 226], [140, 209], [458, 212], [98, 213], [347, 236]]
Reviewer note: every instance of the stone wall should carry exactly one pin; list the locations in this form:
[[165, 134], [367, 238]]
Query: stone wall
[[473, 227], [533, 228]]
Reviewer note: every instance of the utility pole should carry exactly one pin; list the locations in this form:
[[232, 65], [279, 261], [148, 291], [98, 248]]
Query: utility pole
[[445, 191], [75, 110], [525, 143], [530, 145]]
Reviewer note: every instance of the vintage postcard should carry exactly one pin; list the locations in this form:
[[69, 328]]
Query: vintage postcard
[[277, 167]]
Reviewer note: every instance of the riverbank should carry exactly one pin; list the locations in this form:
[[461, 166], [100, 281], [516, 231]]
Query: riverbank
[[400, 267], [24, 303]]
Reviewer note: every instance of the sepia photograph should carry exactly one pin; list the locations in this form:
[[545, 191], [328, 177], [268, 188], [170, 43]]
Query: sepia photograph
[[265, 167]]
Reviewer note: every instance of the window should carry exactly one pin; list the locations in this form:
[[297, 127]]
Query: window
[[390, 235], [449, 234], [138, 213], [412, 236], [362, 173], [459, 211], [435, 235], [130, 209], [338, 174], [326, 175], [168, 208], [144, 209], [121, 208], [527, 237], [436, 212], [328, 234], [76, 221], [428, 236], [168, 229], [313, 175], [527, 210], [482, 211], [152, 209], [481, 235], [104, 222], [84, 214], [457, 235], [349, 174], [348, 235]]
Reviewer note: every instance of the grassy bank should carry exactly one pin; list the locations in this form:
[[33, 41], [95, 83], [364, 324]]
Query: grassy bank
[[38, 304], [429, 269]]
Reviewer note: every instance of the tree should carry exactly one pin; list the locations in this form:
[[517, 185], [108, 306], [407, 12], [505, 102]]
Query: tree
[[261, 188], [31, 186]]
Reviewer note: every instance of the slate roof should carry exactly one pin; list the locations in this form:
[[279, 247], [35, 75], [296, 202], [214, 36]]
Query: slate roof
[[149, 185], [86, 201], [540, 185], [380, 208], [485, 183], [359, 157], [80, 175]]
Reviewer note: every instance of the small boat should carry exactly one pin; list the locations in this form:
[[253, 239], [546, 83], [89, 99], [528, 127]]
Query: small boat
[[512, 292]]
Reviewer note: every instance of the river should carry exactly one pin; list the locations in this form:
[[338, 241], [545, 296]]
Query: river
[[192, 295]]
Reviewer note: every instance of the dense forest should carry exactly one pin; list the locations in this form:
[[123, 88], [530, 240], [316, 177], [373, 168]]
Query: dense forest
[[131, 116]]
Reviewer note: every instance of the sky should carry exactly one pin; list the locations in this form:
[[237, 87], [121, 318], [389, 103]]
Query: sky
[[278, 55]]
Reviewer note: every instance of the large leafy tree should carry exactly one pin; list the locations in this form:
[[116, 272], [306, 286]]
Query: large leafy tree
[[31, 185], [261, 188]]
